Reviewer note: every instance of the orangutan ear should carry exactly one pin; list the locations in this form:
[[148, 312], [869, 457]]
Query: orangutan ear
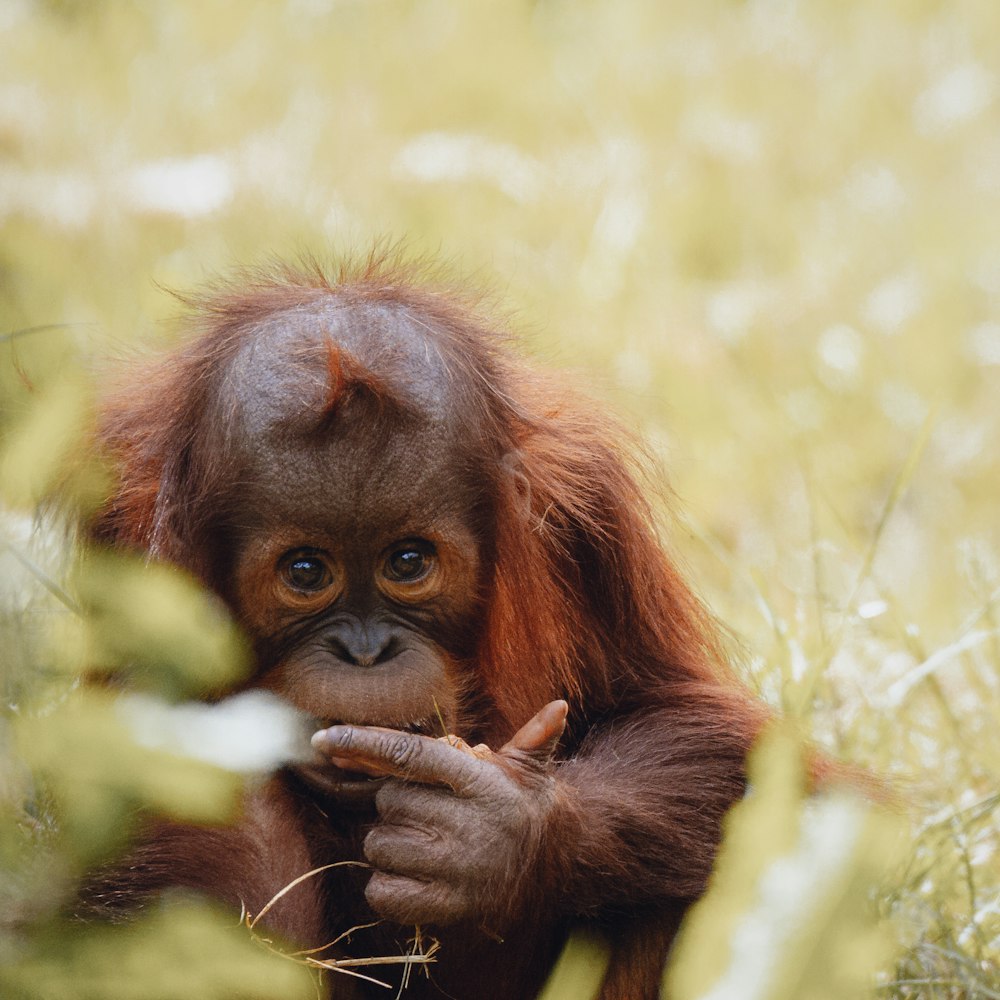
[[514, 482]]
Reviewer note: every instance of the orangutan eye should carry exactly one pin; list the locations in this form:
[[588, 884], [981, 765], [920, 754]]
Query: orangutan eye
[[305, 570], [410, 562]]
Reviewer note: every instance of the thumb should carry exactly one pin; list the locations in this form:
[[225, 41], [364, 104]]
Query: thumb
[[539, 736]]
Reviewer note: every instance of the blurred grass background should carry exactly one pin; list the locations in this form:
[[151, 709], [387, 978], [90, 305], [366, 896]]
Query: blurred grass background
[[766, 232]]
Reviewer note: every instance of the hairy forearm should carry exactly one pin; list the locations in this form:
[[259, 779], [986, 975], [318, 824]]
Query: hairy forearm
[[640, 807]]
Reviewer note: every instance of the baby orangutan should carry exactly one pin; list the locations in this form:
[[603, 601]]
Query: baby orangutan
[[422, 534]]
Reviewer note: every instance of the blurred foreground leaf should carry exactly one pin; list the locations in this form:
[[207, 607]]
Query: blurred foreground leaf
[[788, 914], [85, 756], [152, 621], [38, 449], [182, 950], [580, 969]]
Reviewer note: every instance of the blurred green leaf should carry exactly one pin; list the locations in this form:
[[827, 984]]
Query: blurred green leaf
[[38, 448], [580, 968], [789, 914], [179, 951], [152, 622], [85, 755]]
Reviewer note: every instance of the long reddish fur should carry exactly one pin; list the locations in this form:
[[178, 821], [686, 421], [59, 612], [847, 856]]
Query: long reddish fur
[[584, 604]]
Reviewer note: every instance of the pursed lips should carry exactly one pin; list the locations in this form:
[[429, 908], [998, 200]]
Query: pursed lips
[[350, 782]]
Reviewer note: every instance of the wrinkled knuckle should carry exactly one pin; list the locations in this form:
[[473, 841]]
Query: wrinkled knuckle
[[382, 895], [343, 739], [390, 798], [408, 901], [527, 769], [401, 751], [485, 784], [509, 800], [398, 900], [375, 847]]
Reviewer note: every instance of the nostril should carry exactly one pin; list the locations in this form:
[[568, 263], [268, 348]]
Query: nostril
[[389, 649], [341, 650]]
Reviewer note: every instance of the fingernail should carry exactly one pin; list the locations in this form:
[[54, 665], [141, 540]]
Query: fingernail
[[330, 737], [325, 737]]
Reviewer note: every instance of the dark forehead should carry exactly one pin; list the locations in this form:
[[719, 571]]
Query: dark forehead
[[375, 462], [283, 367], [410, 471]]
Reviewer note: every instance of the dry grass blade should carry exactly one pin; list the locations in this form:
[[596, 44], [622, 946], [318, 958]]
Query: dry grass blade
[[43, 578], [27, 331], [437, 710], [251, 921], [899, 486], [305, 953], [346, 966], [904, 687]]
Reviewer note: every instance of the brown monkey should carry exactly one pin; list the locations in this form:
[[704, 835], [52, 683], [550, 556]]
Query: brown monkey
[[419, 531]]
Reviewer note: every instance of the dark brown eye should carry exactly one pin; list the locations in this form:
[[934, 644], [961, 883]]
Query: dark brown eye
[[408, 563], [306, 571]]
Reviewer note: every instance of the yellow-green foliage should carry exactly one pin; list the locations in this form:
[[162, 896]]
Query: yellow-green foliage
[[182, 950], [38, 447], [787, 916], [579, 970], [153, 621], [97, 773], [766, 231]]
